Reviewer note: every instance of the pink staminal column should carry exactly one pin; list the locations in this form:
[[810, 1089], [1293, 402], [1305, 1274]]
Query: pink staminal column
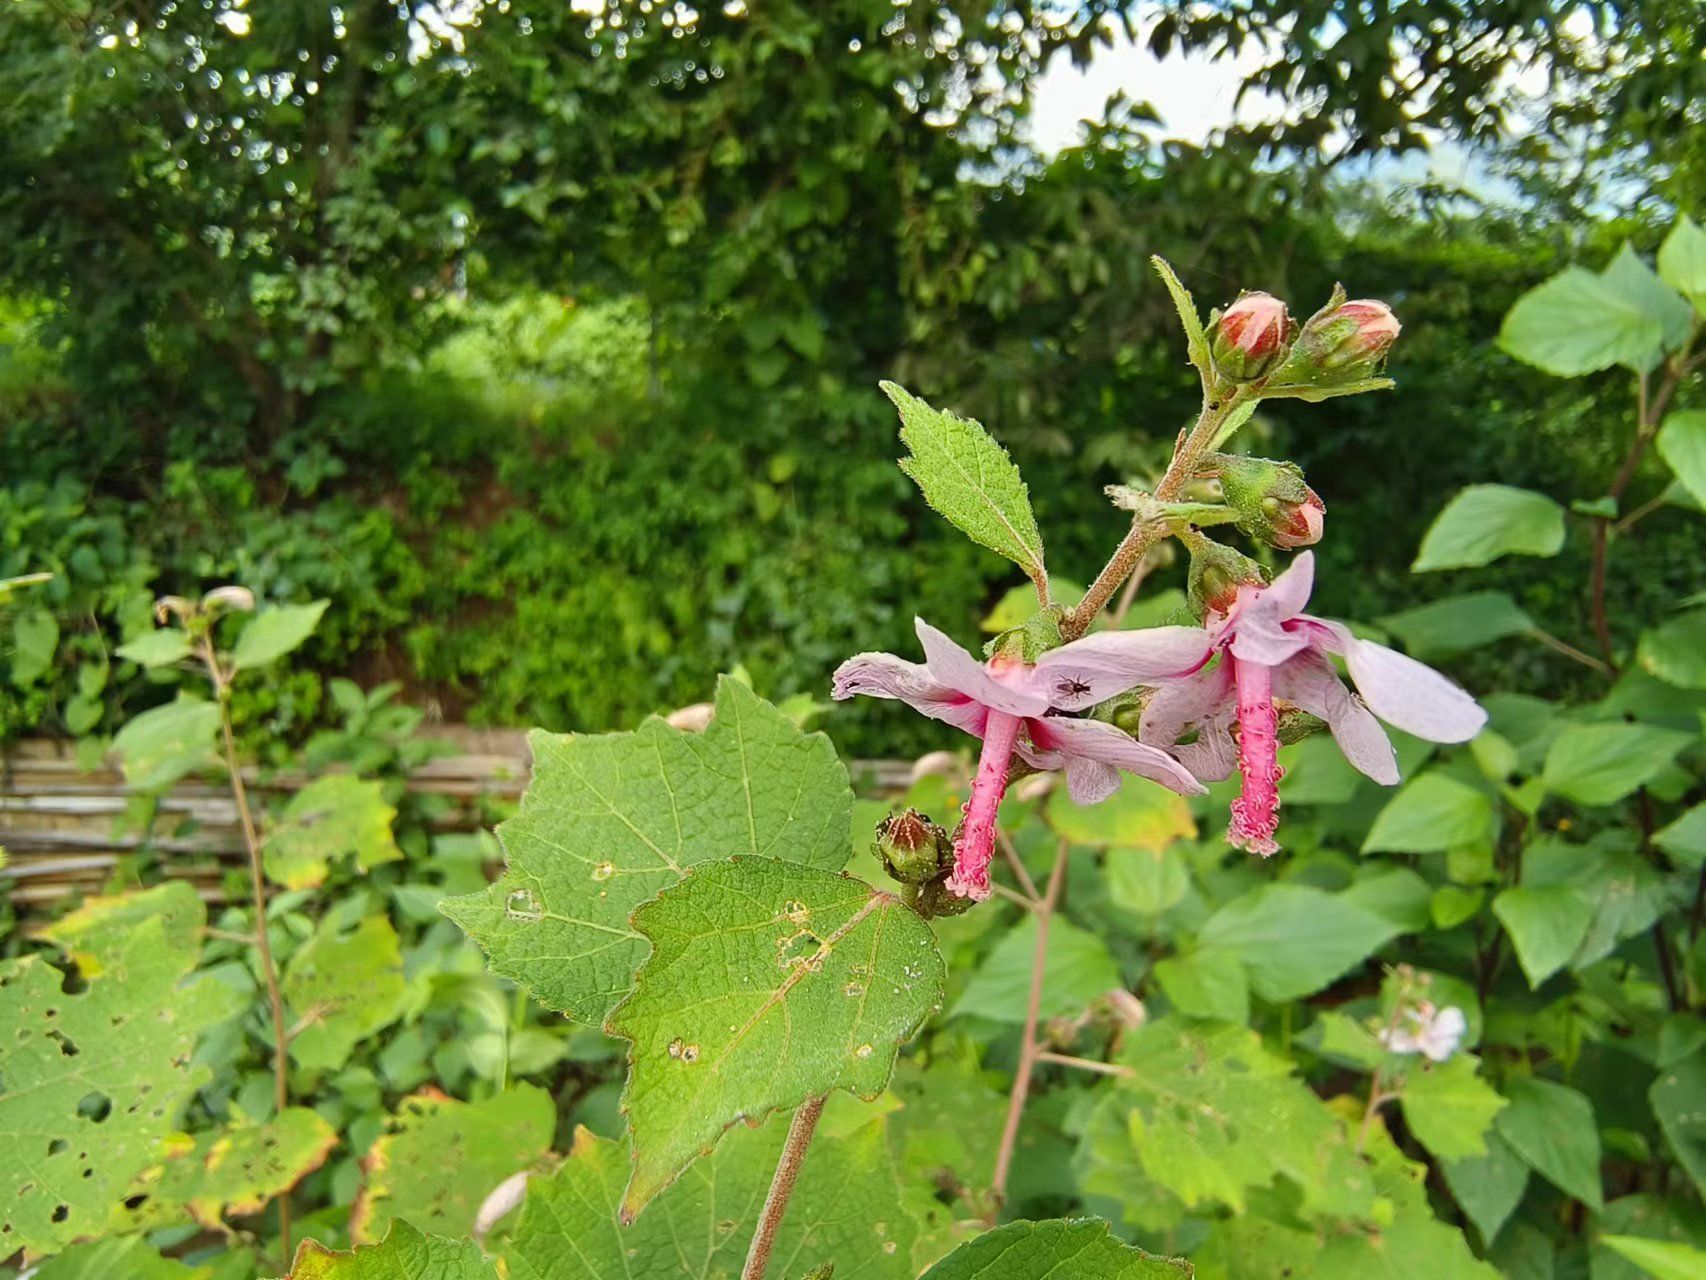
[[1255, 813], [975, 846]]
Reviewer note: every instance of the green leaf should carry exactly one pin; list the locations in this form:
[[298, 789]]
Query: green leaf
[[1456, 624], [1682, 444], [90, 934], [1579, 322], [328, 818], [1676, 651], [610, 820], [272, 633], [1682, 261], [849, 1206], [342, 987], [439, 1158], [35, 637], [1487, 521], [1206, 984], [1661, 1259], [1640, 285], [405, 1255], [156, 648], [1339, 1038], [1214, 1114], [1433, 813], [967, 477], [1488, 1188], [1196, 340], [1140, 815], [1147, 881], [1546, 923], [1079, 1248], [160, 746], [1077, 969], [1018, 605], [236, 1170], [1679, 1103], [1685, 839], [95, 1079], [1449, 1107], [1552, 1127], [1595, 764], [769, 983], [128, 1258], [1293, 939], [1397, 894]]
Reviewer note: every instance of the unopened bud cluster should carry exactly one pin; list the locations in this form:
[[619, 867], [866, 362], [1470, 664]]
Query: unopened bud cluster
[[1255, 342], [919, 852], [1273, 503]]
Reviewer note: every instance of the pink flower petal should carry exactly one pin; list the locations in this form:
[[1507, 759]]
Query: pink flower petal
[[1095, 740], [882, 675], [1016, 690], [1310, 681], [1079, 675], [1405, 693], [1203, 702]]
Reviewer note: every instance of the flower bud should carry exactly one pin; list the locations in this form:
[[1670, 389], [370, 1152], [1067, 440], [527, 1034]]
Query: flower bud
[[1030, 640], [912, 848], [240, 598], [1273, 503], [1251, 337], [1217, 572], [936, 899], [1347, 338]]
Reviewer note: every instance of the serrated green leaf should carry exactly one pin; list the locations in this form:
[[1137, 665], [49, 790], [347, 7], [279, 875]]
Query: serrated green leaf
[[1661, 1259], [1679, 1103], [95, 1080], [156, 648], [1080, 1248], [1547, 923], [1449, 1107], [272, 633], [1596, 764], [1456, 624], [1431, 814], [1682, 261], [1196, 339], [1294, 939], [849, 1206], [405, 1255], [439, 1158], [116, 1258], [1552, 1128], [610, 820], [91, 933], [1676, 651], [342, 987], [769, 983], [1076, 970], [1579, 322], [1490, 1187], [1206, 984], [968, 478], [1341, 1038], [1487, 521], [236, 1170], [1682, 444], [1214, 1115], [330, 817], [160, 746]]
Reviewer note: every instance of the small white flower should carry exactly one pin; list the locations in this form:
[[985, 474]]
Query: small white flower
[[1433, 1033]]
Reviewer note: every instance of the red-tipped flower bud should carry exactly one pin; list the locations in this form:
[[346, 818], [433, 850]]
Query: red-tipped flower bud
[[1295, 524], [1354, 335], [1217, 573], [1252, 337], [1273, 503], [912, 848]]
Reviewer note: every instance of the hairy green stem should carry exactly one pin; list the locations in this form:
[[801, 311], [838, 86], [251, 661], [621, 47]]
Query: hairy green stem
[[800, 1131]]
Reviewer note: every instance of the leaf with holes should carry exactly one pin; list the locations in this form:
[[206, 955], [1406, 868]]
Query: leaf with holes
[[342, 987], [610, 820], [440, 1158], [405, 1255], [237, 1170], [92, 1082], [850, 1206], [1082, 1248], [328, 818], [769, 983], [968, 478], [1212, 1115]]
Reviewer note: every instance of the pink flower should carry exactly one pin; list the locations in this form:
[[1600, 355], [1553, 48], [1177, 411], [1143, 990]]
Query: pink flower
[[1434, 1033], [1269, 648], [1014, 708]]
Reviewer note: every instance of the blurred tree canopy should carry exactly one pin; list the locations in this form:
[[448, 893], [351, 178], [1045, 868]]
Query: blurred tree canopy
[[545, 337]]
